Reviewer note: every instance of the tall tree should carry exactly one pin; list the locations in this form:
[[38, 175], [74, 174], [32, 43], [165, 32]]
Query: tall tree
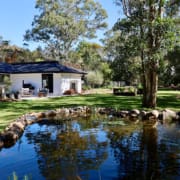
[[9, 53], [93, 60], [61, 23], [171, 74], [90, 53], [122, 54], [155, 29]]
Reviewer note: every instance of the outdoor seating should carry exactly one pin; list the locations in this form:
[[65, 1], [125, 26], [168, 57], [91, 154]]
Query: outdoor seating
[[27, 92], [43, 92]]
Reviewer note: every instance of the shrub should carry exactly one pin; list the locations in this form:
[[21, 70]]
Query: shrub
[[69, 92], [94, 78], [127, 90]]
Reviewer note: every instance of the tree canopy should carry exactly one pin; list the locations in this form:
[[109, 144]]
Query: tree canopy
[[151, 27], [62, 23]]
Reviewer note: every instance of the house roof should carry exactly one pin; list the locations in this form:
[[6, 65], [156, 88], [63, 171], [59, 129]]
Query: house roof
[[5, 68], [40, 67]]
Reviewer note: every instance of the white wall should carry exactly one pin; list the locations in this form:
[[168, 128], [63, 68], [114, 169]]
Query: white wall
[[67, 79], [17, 81], [61, 82], [57, 84]]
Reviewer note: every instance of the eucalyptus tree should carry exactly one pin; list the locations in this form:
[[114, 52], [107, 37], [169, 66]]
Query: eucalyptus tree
[[92, 58], [122, 55], [90, 55], [9, 53], [153, 24], [62, 23], [171, 74]]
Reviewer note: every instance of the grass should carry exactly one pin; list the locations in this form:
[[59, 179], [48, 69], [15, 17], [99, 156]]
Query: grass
[[9, 111]]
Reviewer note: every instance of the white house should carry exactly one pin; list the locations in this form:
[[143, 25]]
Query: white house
[[37, 76]]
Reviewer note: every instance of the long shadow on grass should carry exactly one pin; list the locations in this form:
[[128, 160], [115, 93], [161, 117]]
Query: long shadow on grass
[[168, 102], [120, 102]]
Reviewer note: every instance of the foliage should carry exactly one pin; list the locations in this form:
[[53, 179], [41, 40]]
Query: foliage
[[92, 58], [94, 78], [106, 71], [7, 82], [12, 53], [150, 31], [171, 72], [15, 177], [126, 90], [90, 54], [123, 56], [62, 23], [9, 53]]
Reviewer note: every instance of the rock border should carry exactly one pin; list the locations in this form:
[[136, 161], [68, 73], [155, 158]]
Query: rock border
[[15, 129]]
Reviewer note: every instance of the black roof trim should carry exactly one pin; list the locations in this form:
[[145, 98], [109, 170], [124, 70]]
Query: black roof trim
[[5, 68], [38, 67]]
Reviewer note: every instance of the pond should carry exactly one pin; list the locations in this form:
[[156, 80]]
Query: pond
[[95, 148]]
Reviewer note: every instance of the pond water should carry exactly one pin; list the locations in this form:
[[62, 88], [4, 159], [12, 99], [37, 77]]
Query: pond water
[[95, 148]]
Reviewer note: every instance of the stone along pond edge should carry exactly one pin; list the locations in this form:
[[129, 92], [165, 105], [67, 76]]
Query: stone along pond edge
[[15, 130]]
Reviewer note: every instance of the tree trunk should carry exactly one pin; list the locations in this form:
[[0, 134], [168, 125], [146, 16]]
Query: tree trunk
[[150, 88], [151, 67]]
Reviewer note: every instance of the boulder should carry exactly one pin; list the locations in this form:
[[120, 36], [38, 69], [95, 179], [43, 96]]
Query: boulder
[[102, 111], [39, 115], [1, 142], [124, 114], [178, 115], [134, 113], [154, 114], [142, 115], [19, 125], [10, 136], [169, 114], [30, 117], [50, 113]]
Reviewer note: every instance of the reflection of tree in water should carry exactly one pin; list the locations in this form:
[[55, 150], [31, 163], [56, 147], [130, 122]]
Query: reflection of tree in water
[[140, 155], [125, 144], [63, 153]]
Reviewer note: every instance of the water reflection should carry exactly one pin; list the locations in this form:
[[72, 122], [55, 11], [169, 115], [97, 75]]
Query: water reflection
[[96, 148], [65, 152], [145, 154]]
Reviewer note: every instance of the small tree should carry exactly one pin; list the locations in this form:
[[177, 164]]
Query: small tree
[[94, 78]]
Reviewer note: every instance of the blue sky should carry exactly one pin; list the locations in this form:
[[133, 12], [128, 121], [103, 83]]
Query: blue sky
[[16, 17]]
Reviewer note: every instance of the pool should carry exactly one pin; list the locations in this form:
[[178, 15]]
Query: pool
[[95, 148]]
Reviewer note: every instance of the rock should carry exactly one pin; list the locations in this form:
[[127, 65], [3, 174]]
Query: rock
[[154, 114], [39, 115], [178, 115], [124, 114], [169, 114], [102, 111], [135, 111], [1, 143], [50, 113], [19, 125], [10, 136], [30, 117], [88, 110], [142, 115], [16, 130], [63, 111]]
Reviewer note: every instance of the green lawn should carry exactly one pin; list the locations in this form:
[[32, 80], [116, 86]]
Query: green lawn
[[9, 111]]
